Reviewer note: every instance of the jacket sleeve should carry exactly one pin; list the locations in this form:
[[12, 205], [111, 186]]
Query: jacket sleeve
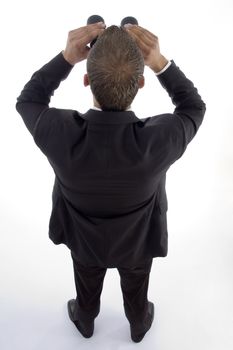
[[34, 99], [190, 108]]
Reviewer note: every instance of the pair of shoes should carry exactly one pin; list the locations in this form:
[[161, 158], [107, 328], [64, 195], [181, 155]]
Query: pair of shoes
[[137, 335], [85, 328]]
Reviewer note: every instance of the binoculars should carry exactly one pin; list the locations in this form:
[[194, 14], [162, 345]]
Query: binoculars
[[96, 18]]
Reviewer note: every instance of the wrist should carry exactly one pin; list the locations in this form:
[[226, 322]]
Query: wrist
[[67, 58], [159, 64]]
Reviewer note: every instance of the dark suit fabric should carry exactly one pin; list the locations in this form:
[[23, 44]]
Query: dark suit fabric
[[134, 285], [109, 198]]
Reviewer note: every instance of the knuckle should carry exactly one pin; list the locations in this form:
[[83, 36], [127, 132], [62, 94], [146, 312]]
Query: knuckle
[[70, 34]]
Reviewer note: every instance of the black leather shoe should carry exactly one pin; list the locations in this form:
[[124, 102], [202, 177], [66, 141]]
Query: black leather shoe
[[85, 328], [136, 334]]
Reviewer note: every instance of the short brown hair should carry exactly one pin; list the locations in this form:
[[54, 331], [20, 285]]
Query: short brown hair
[[114, 66]]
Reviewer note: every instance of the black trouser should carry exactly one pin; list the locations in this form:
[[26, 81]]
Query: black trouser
[[89, 284]]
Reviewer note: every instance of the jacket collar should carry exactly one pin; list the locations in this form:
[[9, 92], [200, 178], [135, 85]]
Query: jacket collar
[[105, 117]]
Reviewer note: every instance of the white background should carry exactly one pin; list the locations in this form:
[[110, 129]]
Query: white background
[[192, 288]]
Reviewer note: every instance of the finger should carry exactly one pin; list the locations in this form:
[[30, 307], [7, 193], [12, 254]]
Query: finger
[[88, 37], [147, 32], [145, 49], [143, 43], [94, 26], [142, 34], [141, 40], [84, 37], [138, 29]]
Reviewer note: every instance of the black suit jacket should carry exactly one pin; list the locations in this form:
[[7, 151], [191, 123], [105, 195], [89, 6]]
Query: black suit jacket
[[109, 199]]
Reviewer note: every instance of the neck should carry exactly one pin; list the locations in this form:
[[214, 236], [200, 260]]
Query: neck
[[96, 104]]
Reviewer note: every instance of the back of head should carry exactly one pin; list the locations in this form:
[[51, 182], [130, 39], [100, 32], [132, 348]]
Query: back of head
[[114, 66]]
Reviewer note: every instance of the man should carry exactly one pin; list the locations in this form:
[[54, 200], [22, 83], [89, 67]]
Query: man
[[109, 199]]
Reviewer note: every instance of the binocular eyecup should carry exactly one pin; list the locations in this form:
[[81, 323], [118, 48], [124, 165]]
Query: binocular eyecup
[[96, 18]]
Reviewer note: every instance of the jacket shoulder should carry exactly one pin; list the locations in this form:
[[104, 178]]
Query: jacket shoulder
[[158, 120]]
